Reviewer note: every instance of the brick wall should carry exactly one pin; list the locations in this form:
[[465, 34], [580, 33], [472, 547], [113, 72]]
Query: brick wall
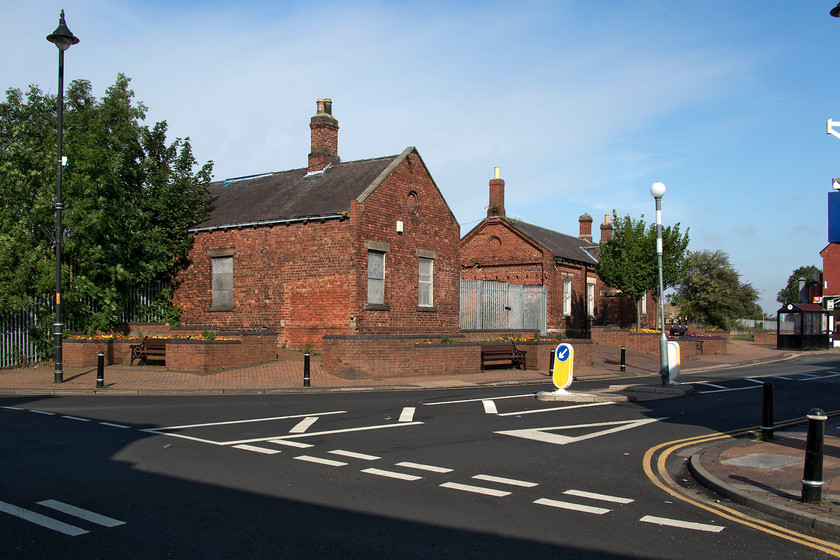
[[831, 269], [649, 342]]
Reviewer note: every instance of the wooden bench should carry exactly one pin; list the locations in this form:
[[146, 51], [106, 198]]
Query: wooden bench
[[149, 347], [505, 351]]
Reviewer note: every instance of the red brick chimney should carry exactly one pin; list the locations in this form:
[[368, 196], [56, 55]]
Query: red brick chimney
[[497, 196], [585, 227], [324, 129], [606, 229]]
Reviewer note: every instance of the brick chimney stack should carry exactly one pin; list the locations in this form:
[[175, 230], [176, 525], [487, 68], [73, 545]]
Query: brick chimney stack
[[606, 229], [497, 196], [585, 227], [324, 129]]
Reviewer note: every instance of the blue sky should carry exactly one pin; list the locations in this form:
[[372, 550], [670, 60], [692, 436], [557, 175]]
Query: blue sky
[[582, 103]]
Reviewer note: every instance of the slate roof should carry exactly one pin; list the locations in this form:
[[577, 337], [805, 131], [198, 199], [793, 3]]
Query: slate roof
[[295, 194], [563, 246]]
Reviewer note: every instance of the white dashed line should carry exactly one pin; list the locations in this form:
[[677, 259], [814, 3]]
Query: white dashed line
[[555, 408], [354, 455], [595, 496], [422, 467], [407, 414], [571, 506], [320, 461], [681, 524], [77, 418], [392, 474], [82, 513], [44, 412], [475, 489], [254, 448], [303, 425], [114, 425], [290, 443], [42, 520], [489, 407], [501, 480]]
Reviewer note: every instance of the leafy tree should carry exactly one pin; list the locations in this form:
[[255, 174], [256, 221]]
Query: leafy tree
[[628, 261], [712, 292], [790, 293], [129, 198]]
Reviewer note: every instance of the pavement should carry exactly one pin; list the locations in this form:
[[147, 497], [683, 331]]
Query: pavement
[[764, 475]]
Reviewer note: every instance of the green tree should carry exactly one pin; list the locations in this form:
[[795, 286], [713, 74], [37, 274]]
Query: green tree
[[628, 261], [129, 198], [790, 293], [712, 292]]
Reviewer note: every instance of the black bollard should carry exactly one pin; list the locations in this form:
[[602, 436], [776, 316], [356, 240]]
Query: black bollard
[[623, 359], [100, 370], [767, 412], [812, 480], [551, 364], [306, 369]]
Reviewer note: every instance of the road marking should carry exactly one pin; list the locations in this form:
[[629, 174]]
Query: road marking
[[822, 377], [710, 384], [320, 461], [82, 513], [407, 414], [728, 390], [544, 434], [783, 377], [501, 480], [42, 520], [344, 431], [422, 467], [571, 506], [392, 474], [354, 455], [250, 420], [530, 395], [77, 418], [754, 380], [12, 408], [44, 412], [596, 496], [112, 425], [291, 443], [682, 524], [303, 425], [808, 376], [489, 407], [263, 450], [475, 489], [555, 408]]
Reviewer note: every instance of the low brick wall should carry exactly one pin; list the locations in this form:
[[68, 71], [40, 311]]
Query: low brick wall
[[192, 355], [372, 356], [767, 337], [649, 342]]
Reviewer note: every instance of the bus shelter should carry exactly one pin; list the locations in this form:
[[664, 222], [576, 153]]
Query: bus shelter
[[803, 326]]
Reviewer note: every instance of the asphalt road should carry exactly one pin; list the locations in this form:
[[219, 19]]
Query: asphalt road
[[470, 473]]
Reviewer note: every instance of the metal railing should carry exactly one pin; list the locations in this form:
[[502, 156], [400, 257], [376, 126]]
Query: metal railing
[[489, 305]]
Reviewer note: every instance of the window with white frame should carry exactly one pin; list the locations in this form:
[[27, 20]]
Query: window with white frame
[[425, 282], [590, 297], [567, 296], [644, 304]]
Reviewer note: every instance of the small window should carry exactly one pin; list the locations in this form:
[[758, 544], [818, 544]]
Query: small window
[[590, 298], [376, 277], [222, 282], [567, 297], [425, 282]]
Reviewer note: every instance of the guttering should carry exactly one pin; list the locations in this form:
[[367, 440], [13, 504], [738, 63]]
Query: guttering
[[270, 223]]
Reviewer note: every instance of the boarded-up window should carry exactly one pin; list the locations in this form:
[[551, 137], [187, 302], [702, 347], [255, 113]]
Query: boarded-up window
[[567, 297], [376, 277], [222, 273]]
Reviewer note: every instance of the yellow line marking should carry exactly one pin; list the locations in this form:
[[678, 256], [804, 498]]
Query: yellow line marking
[[663, 480]]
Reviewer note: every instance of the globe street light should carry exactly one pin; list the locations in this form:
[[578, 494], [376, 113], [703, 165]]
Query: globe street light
[[657, 190], [61, 38]]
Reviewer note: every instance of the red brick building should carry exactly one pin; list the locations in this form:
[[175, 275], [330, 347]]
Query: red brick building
[[359, 247], [514, 252]]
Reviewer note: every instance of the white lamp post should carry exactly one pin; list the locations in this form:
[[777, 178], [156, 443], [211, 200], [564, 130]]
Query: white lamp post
[[657, 190]]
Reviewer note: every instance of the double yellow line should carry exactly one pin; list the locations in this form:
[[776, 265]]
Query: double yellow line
[[654, 467]]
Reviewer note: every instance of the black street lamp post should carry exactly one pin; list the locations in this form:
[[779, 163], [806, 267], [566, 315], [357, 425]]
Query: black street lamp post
[[61, 38]]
